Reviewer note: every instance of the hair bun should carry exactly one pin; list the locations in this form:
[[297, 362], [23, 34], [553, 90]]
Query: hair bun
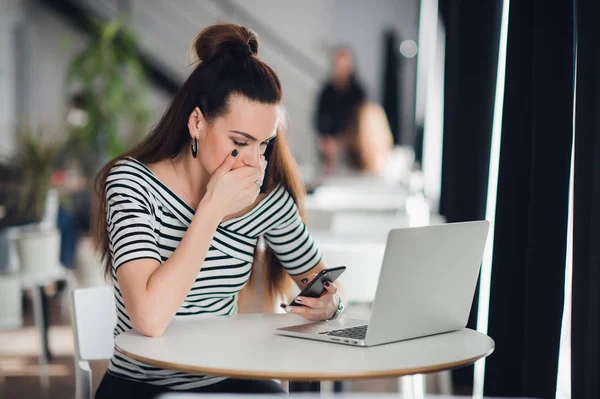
[[224, 40], [240, 50]]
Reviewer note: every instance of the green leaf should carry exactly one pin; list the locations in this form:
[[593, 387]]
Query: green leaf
[[65, 43]]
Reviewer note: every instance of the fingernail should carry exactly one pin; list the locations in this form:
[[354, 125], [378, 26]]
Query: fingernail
[[327, 283], [304, 281], [283, 305], [298, 299], [234, 153]]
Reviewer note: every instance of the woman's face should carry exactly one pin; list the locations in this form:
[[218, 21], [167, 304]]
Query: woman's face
[[248, 127]]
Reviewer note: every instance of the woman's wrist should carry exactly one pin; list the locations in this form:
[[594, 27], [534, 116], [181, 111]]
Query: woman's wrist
[[210, 211], [210, 205], [338, 309]]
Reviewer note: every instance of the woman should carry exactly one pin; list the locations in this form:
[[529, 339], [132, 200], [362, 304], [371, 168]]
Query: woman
[[337, 109], [180, 215]]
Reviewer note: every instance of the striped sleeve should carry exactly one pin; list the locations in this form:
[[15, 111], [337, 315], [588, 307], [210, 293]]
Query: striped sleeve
[[290, 241], [130, 221]]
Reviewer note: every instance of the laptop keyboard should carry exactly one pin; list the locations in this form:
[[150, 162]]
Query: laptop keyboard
[[359, 332]]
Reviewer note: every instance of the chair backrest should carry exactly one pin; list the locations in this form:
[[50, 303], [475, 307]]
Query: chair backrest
[[359, 198], [368, 224], [94, 316]]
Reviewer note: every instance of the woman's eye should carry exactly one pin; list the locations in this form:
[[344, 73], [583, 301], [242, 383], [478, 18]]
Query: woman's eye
[[239, 144]]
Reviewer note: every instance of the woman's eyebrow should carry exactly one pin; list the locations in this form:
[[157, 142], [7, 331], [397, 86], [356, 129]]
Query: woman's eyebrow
[[249, 136]]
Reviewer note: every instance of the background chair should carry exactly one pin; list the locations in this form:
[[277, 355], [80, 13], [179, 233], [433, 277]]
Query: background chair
[[93, 318]]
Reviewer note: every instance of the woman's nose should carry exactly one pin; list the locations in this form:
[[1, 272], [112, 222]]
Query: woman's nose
[[252, 157]]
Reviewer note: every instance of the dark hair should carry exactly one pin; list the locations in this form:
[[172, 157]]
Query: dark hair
[[228, 64]]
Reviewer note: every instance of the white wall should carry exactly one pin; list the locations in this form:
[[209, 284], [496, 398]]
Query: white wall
[[10, 16], [54, 44], [306, 24], [360, 24], [49, 44]]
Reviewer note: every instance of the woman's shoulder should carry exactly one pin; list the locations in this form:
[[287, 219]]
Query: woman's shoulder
[[126, 165], [129, 175], [280, 198], [130, 169]]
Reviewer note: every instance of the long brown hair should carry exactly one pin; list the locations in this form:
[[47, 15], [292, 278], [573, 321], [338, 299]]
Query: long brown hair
[[228, 64]]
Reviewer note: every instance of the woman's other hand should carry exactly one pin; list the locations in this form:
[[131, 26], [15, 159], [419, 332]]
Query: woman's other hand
[[316, 309]]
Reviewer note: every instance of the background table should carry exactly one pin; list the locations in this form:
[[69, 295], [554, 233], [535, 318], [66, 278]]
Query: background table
[[245, 346]]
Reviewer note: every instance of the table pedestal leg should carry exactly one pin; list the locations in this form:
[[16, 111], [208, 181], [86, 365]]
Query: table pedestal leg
[[412, 386], [327, 387]]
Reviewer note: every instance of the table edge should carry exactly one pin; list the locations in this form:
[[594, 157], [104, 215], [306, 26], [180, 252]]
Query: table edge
[[246, 374]]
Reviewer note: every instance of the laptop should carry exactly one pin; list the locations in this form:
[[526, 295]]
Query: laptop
[[426, 287]]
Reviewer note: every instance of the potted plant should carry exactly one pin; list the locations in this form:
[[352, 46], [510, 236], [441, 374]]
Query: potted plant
[[36, 201]]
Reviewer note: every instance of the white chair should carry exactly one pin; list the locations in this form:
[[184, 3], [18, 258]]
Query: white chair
[[93, 317]]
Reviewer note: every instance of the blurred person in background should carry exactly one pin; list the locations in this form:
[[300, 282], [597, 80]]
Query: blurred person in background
[[350, 128], [370, 142], [337, 108]]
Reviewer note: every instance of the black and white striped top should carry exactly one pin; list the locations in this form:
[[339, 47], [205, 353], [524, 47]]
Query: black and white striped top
[[148, 220]]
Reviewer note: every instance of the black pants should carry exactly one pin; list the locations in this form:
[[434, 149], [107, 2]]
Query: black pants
[[120, 388]]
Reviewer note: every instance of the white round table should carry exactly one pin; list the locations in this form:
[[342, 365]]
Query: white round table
[[246, 346]]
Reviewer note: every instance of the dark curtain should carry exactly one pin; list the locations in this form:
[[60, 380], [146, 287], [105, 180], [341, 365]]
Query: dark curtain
[[585, 338], [527, 287], [390, 89], [472, 38]]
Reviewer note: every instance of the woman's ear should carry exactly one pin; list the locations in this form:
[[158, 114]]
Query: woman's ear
[[196, 123]]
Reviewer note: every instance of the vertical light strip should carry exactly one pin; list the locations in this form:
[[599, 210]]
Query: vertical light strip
[[433, 125], [563, 382], [429, 110], [423, 59], [492, 191]]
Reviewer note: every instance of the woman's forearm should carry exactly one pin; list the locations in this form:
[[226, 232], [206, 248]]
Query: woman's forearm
[[169, 285]]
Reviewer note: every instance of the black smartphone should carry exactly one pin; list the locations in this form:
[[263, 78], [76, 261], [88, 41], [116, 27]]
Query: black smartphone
[[316, 287]]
